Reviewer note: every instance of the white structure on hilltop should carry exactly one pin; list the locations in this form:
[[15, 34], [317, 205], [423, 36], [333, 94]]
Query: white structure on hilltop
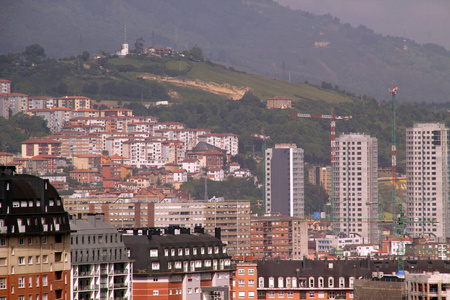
[[356, 185], [427, 180], [125, 49]]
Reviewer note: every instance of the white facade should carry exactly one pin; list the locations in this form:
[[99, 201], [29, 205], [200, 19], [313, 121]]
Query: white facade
[[225, 141], [427, 180], [356, 185]]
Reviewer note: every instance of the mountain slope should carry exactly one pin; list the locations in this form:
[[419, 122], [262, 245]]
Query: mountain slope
[[258, 36]]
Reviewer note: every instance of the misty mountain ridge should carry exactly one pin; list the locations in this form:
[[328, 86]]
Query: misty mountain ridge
[[258, 36]]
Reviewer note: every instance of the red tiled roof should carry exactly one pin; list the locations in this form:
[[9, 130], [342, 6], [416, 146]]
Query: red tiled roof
[[279, 98], [82, 171], [4, 80]]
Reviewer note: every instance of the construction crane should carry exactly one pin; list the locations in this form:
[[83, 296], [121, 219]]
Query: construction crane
[[264, 138], [333, 118], [393, 92], [399, 226]]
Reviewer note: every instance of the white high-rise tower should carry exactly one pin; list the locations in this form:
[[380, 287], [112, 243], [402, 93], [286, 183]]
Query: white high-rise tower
[[427, 180], [356, 185]]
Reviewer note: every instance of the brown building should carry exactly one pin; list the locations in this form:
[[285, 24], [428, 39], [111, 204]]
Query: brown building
[[278, 236], [34, 239], [84, 176], [40, 146]]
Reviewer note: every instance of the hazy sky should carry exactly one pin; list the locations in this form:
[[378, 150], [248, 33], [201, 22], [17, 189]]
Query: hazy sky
[[421, 20]]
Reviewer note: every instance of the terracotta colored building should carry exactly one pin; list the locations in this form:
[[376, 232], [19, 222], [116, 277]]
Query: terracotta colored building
[[34, 239], [84, 176]]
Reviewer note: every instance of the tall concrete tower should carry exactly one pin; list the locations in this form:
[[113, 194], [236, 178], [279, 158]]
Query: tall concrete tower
[[356, 184], [427, 180], [284, 169]]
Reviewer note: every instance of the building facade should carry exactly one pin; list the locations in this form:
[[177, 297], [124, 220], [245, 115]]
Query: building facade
[[173, 263], [284, 187], [277, 236], [356, 184], [427, 180], [101, 268], [34, 239]]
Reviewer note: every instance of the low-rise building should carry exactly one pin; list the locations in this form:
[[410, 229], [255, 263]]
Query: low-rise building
[[173, 263]]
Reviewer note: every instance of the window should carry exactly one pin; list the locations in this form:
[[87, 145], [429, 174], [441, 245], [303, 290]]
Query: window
[[45, 280], [2, 283], [251, 294], [180, 251], [21, 260], [153, 252], [37, 259], [44, 241], [21, 297], [261, 282], [30, 260], [45, 259], [241, 294], [166, 252], [290, 294], [271, 294], [2, 242], [186, 251], [155, 265], [241, 282], [251, 271], [37, 280], [271, 282], [241, 271], [21, 282], [280, 282], [21, 242], [280, 294], [155, 292], [251, 282], [30, 281]]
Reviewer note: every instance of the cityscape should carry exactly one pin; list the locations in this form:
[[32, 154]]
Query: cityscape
[[149, 173]]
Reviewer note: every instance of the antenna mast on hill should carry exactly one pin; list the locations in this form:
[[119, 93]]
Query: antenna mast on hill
[[125, 34]]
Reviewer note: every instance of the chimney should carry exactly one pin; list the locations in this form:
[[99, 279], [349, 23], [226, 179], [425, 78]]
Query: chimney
[[217, 233]]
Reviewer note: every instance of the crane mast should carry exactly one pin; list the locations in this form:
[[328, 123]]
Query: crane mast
[[333, 118], [264, 138]]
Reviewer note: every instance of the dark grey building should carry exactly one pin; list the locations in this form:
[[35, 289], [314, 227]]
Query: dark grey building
[[284, 188]]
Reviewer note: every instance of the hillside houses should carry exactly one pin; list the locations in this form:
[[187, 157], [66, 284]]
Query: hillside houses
[[114, 150]]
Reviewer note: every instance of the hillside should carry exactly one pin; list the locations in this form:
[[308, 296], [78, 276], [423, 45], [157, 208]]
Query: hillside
[[199, 93], [257, 36]]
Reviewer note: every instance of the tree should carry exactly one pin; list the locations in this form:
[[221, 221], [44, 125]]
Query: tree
[[85, 55], [196, 53], [139, 45], [34, 53]]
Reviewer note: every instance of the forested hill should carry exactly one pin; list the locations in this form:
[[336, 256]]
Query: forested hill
[[195, 92], [258, 36]]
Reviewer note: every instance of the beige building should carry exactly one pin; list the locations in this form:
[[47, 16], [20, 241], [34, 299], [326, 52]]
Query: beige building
[[233, 217]]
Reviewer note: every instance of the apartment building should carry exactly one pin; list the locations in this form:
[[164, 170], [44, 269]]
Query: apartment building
[[427, 180], [34, 239], [225, 141], [278, 237], [5, 86], [74, 102], [42, 102], [40, 146], [173, 263], [101, 268], [245, 280], [284, 188], [356, 184], [233, 217]]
